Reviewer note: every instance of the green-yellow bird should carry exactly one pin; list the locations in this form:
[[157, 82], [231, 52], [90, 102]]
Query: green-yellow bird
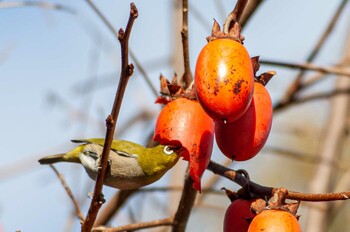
[[130, 165]]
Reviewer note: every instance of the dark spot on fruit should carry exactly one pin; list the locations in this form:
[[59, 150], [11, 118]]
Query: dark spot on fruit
[[237, 86], [217, 86]]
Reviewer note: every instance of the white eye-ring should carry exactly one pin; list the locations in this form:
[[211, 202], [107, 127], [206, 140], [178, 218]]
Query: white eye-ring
[[168, 150]]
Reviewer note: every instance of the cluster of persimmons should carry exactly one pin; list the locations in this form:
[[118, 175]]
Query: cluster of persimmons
[[229, 101]]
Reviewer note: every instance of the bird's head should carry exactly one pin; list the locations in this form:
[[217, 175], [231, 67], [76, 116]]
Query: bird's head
[[158, 159]]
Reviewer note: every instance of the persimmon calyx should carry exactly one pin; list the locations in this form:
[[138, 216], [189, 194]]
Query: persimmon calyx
[[233, 33], [171, 90]]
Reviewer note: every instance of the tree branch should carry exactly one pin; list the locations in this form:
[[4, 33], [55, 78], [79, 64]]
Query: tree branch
[[251, 7], [69, 192], [263, 191], [239, 179], [316, 96], [296, 84], [318, 197], [235, 15], [307, 66], [116, 34], [42, 4], [185, 205], [125, 74], [137, 226], [187, 77]]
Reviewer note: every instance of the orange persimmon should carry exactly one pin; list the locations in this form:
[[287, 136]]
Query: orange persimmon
[[244, 138], [224, 79], [183, 122], [274, 221]]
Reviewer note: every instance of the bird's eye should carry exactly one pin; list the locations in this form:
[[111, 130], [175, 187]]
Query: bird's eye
[[168, 150]]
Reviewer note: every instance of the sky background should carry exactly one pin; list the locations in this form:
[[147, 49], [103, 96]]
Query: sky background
[[59, 71]]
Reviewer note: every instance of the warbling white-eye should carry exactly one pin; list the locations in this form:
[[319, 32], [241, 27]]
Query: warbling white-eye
[[130, 165]]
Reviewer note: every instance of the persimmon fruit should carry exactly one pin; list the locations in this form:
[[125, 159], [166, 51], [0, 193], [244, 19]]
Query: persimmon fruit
[[274, 221], [238, 216], [244, 138], [224, 79], [183, 122]]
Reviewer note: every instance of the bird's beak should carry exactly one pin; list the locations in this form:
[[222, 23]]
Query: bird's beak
[[177, 149]]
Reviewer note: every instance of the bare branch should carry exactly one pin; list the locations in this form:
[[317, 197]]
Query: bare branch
[[185, 205], [187, 77], [235, 15], [125, 74], [69, 192], [137, 226], [116, 34], [259, 190], [314, 159], [316, 96], [308, 66], [296, 85], [143, 73], [314, 197], [42, 4], [239, 179]]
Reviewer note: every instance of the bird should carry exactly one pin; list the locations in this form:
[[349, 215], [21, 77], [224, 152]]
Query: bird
[[130, 165]]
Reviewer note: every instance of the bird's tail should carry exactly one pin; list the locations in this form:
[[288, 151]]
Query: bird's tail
[[53, 159], [71, 156]]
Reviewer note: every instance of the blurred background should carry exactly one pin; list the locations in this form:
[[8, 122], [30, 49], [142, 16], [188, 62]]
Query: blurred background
[[59, 70]]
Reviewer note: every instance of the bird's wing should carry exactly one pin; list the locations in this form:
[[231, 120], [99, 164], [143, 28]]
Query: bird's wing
[[93, 140], [125, 154], [118, 146]]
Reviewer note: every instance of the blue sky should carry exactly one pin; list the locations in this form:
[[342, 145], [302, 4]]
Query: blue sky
[[53, 53]]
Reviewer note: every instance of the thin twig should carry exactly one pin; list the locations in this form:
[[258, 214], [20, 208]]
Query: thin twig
[[314, 159], [69, 192], [187, 77], [116, 34], [296, 85], [307, 66], [42, 4], [312, 81], [316, 96], [143, 73], [314, 197], [125, 74], [137, 226]]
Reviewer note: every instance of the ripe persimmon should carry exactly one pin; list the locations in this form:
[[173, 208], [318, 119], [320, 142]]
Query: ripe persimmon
[[238, 216], [183, 122], [244, 138], [274, 221], [224, 79]]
